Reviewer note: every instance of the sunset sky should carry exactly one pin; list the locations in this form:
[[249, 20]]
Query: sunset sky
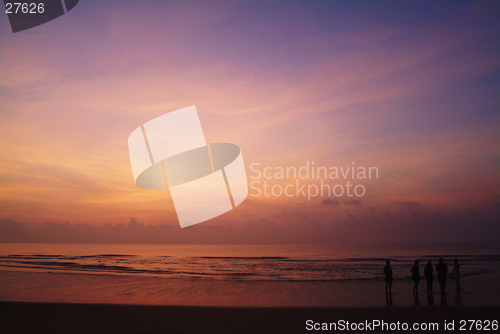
[[410, 87]]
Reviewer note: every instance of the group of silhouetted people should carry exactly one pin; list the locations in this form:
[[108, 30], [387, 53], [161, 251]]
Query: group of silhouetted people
[[441, 269]]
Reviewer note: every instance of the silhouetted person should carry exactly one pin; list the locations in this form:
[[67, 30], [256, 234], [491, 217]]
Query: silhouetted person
[[442, 270], [428, 276], [388, 299], [388, 277], [417, 301], [458, 297], [456, 273], [430, 299], [415, 276], [444, 301]]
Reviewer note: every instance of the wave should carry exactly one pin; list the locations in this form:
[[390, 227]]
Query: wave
[[241, 267], [45, 256], [243, 257]]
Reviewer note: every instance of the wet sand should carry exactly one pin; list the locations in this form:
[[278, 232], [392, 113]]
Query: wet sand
[[63, 287], [41, 302]]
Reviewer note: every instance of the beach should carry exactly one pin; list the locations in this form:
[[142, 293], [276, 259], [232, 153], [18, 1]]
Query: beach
[[249, 166], [105, 318], [241, 275], [232, 289], [89, 303], [57, 287]]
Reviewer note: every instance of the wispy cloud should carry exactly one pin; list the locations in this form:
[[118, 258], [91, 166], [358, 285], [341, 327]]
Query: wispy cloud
[[415, 100]]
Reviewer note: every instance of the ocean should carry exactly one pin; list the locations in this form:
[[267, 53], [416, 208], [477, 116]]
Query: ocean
[[249, 262], [308, 271]]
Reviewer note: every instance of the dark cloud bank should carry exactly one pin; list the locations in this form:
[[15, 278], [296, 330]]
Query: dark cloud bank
[[411, 223]]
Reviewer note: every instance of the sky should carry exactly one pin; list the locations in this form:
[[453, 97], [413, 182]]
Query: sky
[[411, 88]]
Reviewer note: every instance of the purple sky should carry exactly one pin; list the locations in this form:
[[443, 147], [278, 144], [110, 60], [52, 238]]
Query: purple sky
[[409, 87]]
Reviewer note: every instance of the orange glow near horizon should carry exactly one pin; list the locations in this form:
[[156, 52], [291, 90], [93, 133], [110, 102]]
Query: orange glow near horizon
[[416, 102]]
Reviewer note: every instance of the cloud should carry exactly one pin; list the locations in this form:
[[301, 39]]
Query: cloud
[[300, 214], [407, 98], [391, 225], [330, 202], [353, 202]]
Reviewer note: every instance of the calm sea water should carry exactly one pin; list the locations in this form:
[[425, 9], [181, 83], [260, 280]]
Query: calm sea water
[[249, 262]]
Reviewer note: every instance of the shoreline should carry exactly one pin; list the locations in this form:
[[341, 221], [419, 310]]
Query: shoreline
[[140, 290]]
